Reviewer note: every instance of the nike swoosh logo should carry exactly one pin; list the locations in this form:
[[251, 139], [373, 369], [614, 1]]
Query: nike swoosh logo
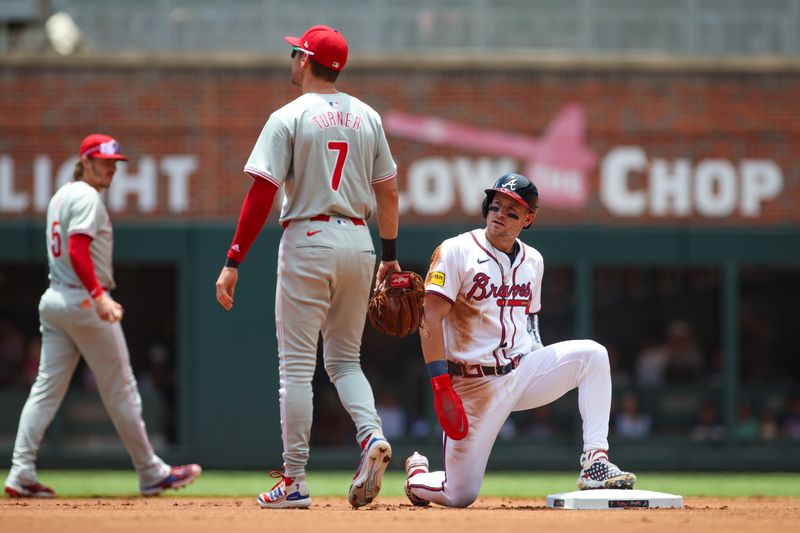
[[479, 261], [310, 233]]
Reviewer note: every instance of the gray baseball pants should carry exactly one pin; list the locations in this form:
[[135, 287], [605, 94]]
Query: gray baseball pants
[[325, 272], [70, 328]]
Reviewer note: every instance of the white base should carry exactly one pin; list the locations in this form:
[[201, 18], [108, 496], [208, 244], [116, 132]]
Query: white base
[[614, 499]]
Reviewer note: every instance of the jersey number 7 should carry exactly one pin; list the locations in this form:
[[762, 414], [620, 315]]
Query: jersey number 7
[[342, 148]]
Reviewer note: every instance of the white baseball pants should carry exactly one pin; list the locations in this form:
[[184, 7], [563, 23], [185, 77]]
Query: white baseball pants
[[542, 377]]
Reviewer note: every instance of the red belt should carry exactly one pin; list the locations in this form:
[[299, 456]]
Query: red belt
[[69, 286], [325, 218]]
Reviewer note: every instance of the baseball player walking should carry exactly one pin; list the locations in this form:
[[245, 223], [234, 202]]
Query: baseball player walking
[[329, 152], [480, 339], [79, 317]]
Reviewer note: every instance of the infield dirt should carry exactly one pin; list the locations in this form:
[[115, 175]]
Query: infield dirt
[[170, 514]]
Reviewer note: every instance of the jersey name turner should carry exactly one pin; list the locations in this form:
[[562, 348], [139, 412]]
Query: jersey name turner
[[330, 119]]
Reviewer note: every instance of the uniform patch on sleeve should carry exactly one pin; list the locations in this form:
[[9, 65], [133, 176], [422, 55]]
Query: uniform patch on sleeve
[[435, 278]]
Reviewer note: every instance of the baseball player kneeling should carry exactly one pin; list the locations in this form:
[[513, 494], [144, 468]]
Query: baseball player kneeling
[[480, 339]]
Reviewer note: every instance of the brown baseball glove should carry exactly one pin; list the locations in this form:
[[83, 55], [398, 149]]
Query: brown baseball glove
[[396, 306]]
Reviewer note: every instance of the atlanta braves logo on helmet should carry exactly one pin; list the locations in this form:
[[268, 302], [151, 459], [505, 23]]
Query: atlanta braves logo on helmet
[[510, 184]]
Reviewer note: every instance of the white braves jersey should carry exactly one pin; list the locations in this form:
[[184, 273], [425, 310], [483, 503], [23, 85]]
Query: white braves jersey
[[492, 298], [78, 208], [328, 149]]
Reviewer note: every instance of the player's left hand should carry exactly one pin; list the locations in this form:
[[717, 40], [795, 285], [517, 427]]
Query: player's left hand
[[383, 270], [226, 284]]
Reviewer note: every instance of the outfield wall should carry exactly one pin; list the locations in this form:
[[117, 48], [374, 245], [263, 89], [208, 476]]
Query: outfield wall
[[622, 143]]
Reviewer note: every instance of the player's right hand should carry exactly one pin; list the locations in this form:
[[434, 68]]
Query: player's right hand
[[226, 283], [108, 309], [449, 409]]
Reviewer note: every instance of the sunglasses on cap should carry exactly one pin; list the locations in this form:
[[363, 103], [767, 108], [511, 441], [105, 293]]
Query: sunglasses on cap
[[296, 51], [111, 147]]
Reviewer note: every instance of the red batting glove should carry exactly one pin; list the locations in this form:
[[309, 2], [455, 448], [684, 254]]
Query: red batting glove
[[449, 409]]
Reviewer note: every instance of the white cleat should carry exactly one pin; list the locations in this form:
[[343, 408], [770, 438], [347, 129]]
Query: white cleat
[[375, 456], [416, 464], [288, 493]]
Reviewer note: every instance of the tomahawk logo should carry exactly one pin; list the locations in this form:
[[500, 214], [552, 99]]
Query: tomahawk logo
[[511, 184], [559, 162], [631, 183]]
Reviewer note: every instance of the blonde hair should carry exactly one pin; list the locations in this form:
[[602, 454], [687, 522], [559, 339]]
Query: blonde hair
[[77, 172]]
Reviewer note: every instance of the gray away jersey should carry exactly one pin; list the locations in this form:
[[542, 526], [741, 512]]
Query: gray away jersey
[[328, 150], [78, 208]]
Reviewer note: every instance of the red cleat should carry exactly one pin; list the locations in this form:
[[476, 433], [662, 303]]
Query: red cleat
[[179, 476], [33, 490]]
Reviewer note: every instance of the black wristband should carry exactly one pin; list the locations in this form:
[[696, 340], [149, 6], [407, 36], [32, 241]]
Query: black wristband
[[230, 263], [388, 249]]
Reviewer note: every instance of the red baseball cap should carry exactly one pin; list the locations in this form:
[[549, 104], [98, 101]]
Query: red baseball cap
[[325, 45], [99, 146]]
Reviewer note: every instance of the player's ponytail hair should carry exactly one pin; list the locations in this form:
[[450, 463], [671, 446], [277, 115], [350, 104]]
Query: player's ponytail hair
[[77, 172]]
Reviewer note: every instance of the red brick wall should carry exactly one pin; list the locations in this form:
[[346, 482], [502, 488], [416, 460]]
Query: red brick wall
[[215, 114]]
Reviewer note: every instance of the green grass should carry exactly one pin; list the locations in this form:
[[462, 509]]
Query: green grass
[[111, 483]]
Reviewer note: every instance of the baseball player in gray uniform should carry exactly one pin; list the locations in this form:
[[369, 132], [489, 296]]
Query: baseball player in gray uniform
[[329, 152], [80, 318], [480, 339]]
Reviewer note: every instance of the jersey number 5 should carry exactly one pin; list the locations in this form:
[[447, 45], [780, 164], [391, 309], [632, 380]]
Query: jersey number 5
[[342, 148], [55, 239]]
